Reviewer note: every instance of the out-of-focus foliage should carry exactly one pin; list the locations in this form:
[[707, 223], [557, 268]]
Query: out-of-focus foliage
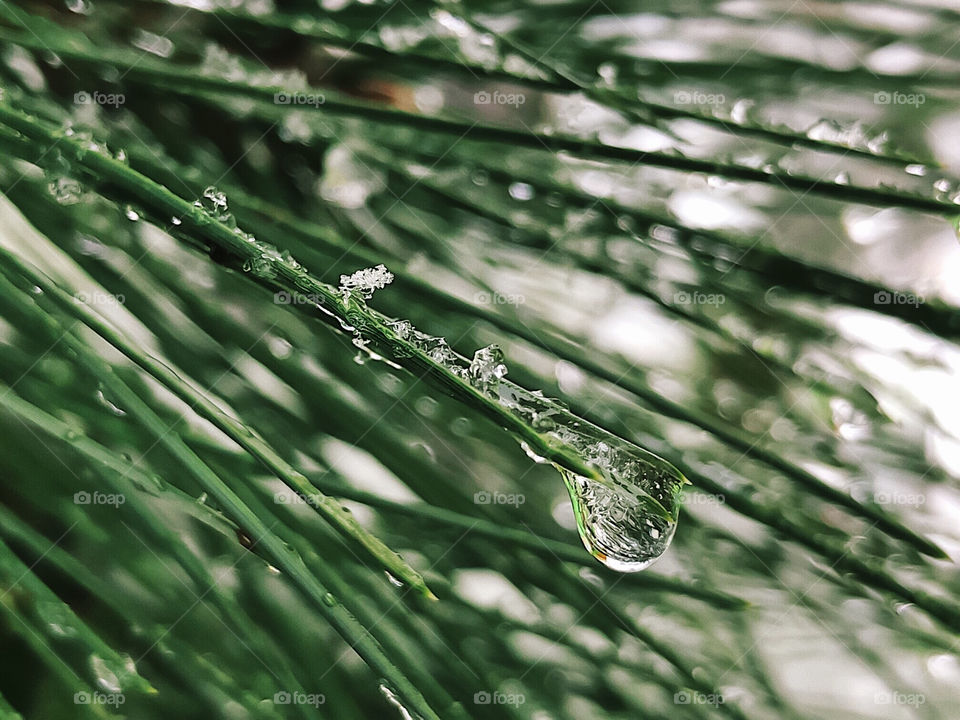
[[721, 231]]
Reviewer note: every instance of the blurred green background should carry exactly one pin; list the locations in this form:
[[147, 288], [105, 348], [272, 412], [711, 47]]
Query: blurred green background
[[723, 231]]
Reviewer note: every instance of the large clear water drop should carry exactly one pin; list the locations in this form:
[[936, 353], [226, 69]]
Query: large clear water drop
[[627, 511], [627, 517]]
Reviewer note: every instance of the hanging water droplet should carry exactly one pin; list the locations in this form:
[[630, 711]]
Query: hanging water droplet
[[58, 618], [245, 540], [131, 214], [829, 130], [158, 45], [521, 191], [916, 169], [607, 72], [218, 62], [81, 7], [531, 454], [622, 530], [424, 448], [849, 423], [627, 514], [741, 110], [392, 698], [588, 575], [426, 406], [113, 675], [329, 600], [842, 178], [102, 399]]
